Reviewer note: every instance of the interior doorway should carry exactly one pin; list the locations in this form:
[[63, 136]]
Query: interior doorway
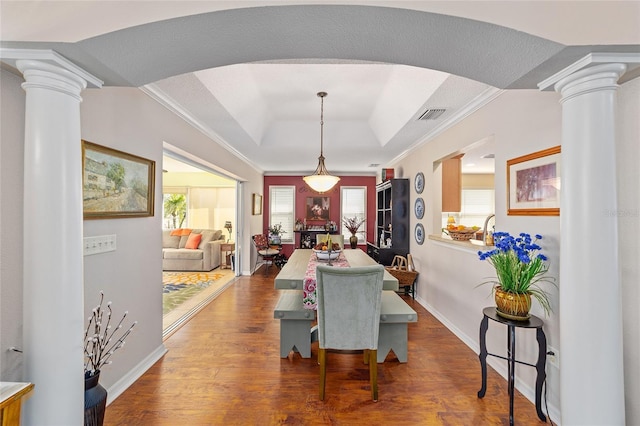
[[195, 199]]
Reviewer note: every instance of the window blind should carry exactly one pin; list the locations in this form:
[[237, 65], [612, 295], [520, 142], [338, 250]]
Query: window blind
[[281, 210], [353, 204], [477, 204]]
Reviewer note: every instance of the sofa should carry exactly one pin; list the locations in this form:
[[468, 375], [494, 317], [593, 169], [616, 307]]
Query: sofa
[[191, 249]]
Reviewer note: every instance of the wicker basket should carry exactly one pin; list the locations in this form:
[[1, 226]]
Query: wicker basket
[[465, 235], [403, 277], [402, 270]]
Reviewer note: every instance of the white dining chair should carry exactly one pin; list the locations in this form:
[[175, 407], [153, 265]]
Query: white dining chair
[[349, 301]]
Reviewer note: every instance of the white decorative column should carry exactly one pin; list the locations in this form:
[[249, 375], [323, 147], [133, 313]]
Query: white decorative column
[[591, 361], [53, 276]]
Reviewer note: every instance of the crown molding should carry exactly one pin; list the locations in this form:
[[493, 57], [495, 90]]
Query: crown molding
[[163, 99]]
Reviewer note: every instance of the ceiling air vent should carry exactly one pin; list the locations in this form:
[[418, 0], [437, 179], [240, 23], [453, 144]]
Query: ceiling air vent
[[432, 114]]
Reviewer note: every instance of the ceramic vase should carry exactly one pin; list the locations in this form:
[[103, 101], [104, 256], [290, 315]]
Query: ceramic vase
[[353, 240], [95, 400], [275, 239], [513, 306]]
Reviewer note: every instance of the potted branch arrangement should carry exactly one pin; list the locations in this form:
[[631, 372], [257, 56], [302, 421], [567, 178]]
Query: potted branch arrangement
[[353, 225], [100, 343], [274, 234], [520, 269]]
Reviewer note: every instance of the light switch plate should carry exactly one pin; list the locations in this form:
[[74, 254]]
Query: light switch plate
[[99, 244]]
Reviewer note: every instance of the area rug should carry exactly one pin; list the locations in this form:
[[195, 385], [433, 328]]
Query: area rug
[[180, 287]]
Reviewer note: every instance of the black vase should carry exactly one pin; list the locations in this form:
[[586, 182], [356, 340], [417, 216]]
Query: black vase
[[353, 240], [95, 400]]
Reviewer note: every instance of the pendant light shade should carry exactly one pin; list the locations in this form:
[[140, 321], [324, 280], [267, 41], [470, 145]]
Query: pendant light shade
[[321, 180]]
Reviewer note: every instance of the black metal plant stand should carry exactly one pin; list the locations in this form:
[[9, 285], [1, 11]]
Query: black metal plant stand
[[533, 322]]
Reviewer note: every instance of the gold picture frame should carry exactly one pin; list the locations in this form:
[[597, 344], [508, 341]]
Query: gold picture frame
[[116, 184], [533, 184], [257, 204]]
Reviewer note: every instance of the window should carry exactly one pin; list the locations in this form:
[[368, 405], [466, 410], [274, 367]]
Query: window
[[477, 204], [353, 203], [174, 208], [282, 210]]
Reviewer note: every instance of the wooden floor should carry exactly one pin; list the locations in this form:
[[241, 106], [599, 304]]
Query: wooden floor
[[224, 368]]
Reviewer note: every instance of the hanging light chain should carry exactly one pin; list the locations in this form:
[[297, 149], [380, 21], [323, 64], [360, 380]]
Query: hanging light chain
[[321, 180], [321, 95]]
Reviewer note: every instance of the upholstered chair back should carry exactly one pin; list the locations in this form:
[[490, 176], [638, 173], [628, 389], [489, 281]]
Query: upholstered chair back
[[349, 306], [260, 241]]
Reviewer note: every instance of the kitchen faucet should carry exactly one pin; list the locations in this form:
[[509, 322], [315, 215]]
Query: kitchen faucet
[[486, 223]]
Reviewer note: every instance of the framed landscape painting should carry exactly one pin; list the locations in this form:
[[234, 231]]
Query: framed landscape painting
[[533, 182], [116, 184]]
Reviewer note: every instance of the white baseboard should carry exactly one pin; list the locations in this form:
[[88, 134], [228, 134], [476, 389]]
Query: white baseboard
[[501, 368], [134, 374]]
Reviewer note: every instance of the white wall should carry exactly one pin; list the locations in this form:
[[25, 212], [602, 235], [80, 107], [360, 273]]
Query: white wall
[[520, 122]]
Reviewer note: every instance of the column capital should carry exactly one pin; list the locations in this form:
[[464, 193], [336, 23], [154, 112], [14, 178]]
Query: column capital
[[630, 60], [47, 76], [12, 56], [599, 77]]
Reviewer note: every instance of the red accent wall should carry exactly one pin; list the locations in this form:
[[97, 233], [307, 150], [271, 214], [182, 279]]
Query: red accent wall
[[303, 191]]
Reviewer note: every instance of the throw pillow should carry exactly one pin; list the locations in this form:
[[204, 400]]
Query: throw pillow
[[183, 241], [207, 236], [193, 241], [181, 232], [170, 241]]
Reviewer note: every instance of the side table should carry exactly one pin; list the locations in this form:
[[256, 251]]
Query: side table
[[533, 322], [225, 253]]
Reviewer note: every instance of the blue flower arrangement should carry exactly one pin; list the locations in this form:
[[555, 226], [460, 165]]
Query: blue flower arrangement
[[520, 266]]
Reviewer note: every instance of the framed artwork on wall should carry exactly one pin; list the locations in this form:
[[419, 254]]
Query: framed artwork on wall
[[116, 184], [257, 204], [318, 208], [533, 182]]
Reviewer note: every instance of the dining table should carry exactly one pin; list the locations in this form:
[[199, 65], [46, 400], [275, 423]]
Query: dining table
[[297, 305], [292, 274]]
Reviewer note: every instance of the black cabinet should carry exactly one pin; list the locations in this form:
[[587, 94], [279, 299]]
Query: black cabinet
[[392, 221]]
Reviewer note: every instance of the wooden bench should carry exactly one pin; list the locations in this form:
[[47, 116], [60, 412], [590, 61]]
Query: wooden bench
[[296, 333], [295, 324], [395, 316]]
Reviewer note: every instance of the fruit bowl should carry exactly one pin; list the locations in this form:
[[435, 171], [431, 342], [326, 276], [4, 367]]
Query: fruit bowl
[[462, 234], [325, 255]]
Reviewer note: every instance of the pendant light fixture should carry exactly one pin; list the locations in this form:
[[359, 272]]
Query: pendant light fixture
[[321, 181]]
